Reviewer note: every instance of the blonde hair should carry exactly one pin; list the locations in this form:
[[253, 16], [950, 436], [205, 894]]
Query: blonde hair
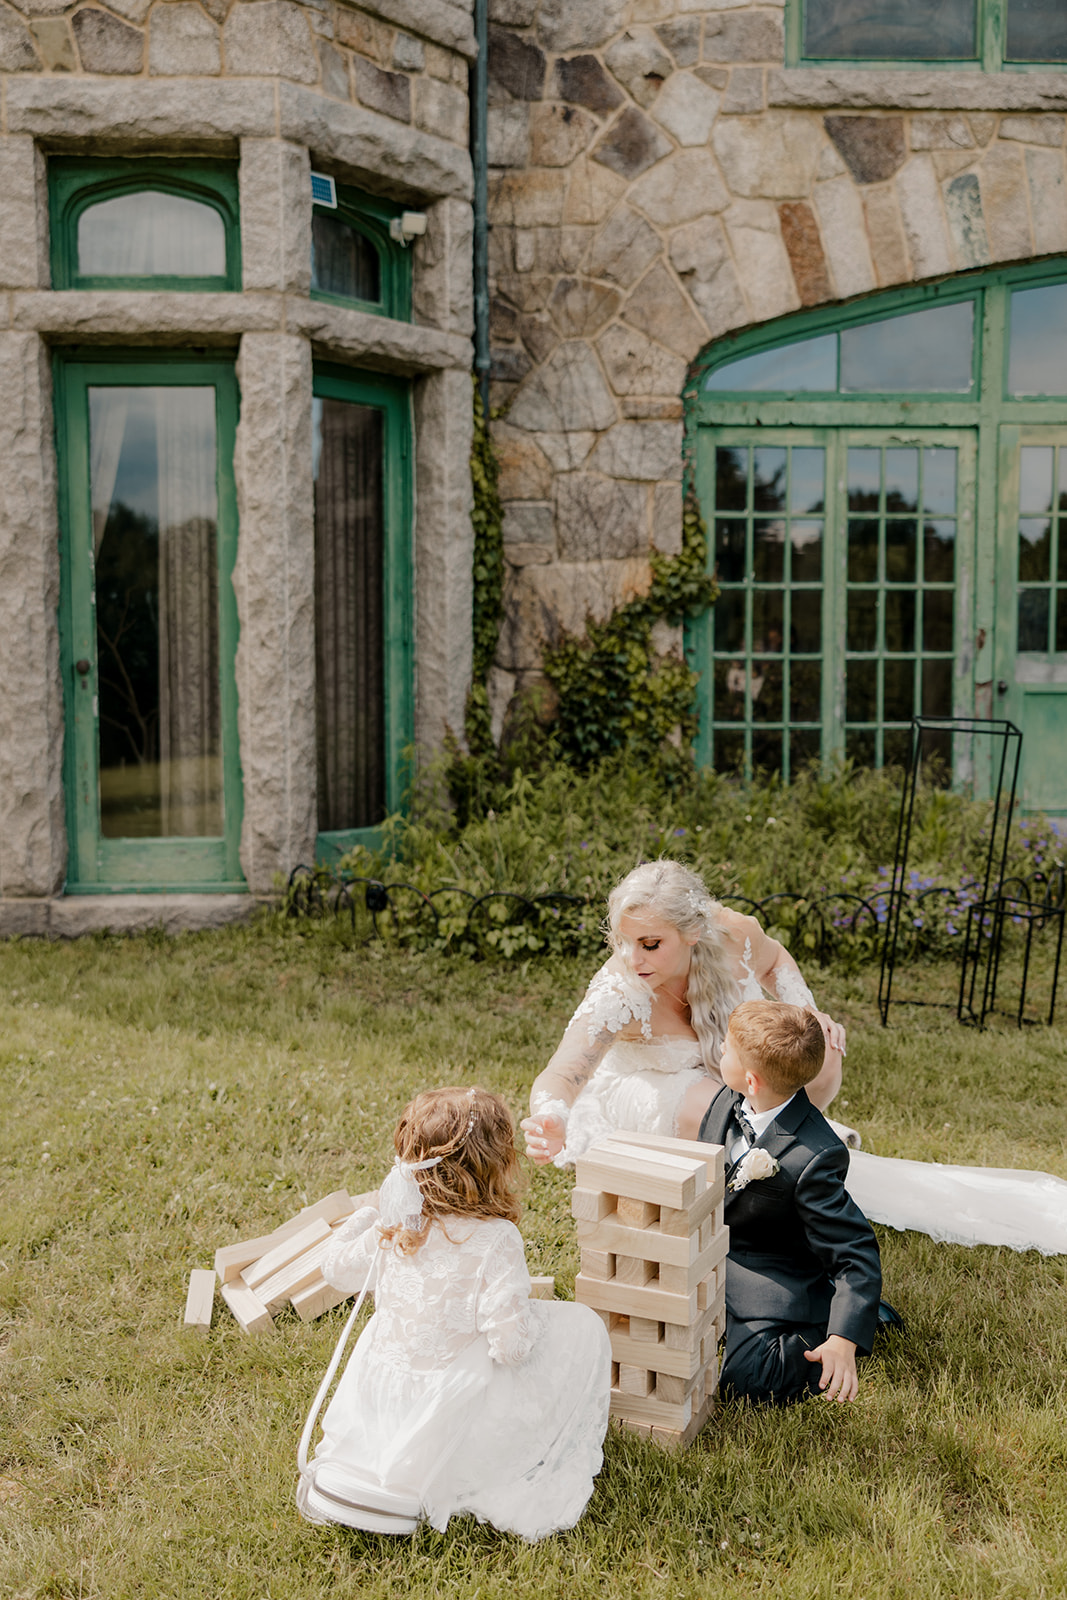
[[784, 1043], [675, 894], [471, 1130]]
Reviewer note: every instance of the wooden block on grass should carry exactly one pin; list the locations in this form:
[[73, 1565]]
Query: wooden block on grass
[[632, 1269], [316, 1299], [335, 1207], [200, 1300], [288, 1250], [589, 1205], [280, 1287], [252, 1315], [231, 1259], [542, 1288], [636, 1213]]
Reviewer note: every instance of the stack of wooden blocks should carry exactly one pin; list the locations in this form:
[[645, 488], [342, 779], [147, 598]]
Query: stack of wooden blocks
[[653, 1242], [261, 1276]]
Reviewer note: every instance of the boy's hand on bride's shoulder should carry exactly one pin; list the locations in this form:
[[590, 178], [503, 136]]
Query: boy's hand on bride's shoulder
[[839, 1380], [545, 1137]]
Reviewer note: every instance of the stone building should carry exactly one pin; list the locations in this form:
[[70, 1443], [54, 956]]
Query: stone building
[[234, 515], [819, 258]]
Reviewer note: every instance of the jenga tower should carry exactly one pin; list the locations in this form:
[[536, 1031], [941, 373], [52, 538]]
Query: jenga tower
[[653, 1241]]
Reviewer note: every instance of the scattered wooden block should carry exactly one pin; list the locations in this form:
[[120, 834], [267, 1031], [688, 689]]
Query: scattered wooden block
[[542, 1288], [281, 1286], [316, 1299], [200, 1300], [288, 1250], [252, 1315], [231, 1259], [636, 1213], [589, 1205]]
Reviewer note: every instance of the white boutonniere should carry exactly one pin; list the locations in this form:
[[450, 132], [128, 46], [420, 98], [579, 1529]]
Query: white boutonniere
[[755, 1165]]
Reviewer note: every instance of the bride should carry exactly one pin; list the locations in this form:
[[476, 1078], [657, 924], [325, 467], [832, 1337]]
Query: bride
[[642, 1050]]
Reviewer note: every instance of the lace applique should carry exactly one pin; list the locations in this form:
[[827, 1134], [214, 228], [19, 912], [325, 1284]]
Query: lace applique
[[612, 1001], [790, 987], [542, 1104], [751, 988]]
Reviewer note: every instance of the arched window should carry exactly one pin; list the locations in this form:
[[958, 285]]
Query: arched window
[[354, 261], [886, 495], [144, 224]]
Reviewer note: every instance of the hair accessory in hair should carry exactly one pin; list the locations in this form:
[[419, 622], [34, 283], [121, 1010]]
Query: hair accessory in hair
[[400, 1198], [471, 1092], [700, 904]]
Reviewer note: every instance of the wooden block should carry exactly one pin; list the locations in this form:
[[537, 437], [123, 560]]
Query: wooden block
[[316, 1299], [630, 1300], [667, 1438], [642, 1429], [589, 1205], [685, 1220], [200, 1300], [280, 1287], [675, 1391], [631, 1269], [598, 1264], [288, 1250], [703, 1324], [699, 1420], [713, 1286], [614, 1374], [336, 1207], [231, 1259], [251, 1313], [681, 1280], [542, 1288], [636, 1213], [645, 1331], [712, 1155], [660, 1357], [650, 1243], [642, 1408], [635, 1380], [642, 1175]]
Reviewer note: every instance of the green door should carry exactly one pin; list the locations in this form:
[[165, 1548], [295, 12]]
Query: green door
[[1031, 633], [149, 623]]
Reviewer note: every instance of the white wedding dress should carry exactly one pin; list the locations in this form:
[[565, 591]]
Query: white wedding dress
[[462, 1390]]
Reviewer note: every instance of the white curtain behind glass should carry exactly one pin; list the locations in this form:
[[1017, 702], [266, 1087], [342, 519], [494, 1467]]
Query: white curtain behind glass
[[151, 234]]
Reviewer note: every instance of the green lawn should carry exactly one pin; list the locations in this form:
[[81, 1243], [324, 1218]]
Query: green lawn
[[163, 1098]]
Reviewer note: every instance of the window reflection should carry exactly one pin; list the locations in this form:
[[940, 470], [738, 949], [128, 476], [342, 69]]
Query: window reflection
[[151, 234], [1037, 362], [907, 29], [1037, 30], [810, 364], [924, 352], [343, 260]]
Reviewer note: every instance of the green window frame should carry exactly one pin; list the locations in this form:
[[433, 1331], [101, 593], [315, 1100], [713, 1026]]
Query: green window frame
[[989, 522], [114, 865], [392, 398], [371, 216], [990, 51], [74, 185]]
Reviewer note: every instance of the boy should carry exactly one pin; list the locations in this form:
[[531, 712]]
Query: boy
[[803, 1276]]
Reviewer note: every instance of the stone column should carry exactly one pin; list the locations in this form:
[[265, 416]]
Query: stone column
[[274, 579], [443, 553], [443, 288], [23, 214], [275, 194], [33, 841]]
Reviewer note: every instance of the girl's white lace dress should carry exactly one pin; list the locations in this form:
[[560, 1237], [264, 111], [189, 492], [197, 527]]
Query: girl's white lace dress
[[463, 1390]]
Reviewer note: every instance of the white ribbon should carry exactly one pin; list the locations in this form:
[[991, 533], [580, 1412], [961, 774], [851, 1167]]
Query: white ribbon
[[400, 1198]]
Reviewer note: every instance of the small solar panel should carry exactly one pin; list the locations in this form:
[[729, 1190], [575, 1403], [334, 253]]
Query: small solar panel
[[323, 190]]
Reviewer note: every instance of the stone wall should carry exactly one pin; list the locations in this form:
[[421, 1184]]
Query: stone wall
[[660, 180]]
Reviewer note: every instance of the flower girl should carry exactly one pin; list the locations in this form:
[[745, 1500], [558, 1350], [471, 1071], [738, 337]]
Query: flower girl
[[462, 1393]]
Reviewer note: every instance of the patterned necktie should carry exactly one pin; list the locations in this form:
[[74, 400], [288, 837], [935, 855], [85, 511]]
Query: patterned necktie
[[741, 1125]]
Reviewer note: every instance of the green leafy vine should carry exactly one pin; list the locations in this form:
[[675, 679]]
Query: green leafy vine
[[487, 519]]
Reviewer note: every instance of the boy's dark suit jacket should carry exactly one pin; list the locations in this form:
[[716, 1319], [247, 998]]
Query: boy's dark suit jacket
[[801, 1250]]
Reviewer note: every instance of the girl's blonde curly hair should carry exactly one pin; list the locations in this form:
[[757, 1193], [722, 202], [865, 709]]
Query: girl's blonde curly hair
[[472, 1131]]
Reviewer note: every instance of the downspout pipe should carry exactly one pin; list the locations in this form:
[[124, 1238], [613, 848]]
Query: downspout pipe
[[479, 95]]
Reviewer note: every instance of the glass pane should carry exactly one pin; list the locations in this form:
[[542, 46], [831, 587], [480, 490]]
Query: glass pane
[[730, 680], [925, 352], [939, 547], [1033, 619], [150, 234], [1037, 30], [805, 690], [862, 551], [900, 620], [1062, 485], [862, 631], [806, 630], [804, 748], [906, 30], [766, 752], [729, 751], [1061, 621], [898, 702], [896, 747], [1061, 551], [768, 550], [767, 627], [807, 365], [902, 480], [768, 480], [731, 479], [767, 691], [729, 616], [343, 260], [900, 546], [937, 619], [807, 479], [1035, 535], [864, 479], [154, 515], [859, 748], [937, 688], [939, 482], [1035, 478], [347, 449], [730, 550], [806, 539], [1037, 363], [861, 691]]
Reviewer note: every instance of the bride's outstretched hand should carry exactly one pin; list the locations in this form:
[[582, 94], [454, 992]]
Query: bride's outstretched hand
[[545, 1137], [834, 1032]]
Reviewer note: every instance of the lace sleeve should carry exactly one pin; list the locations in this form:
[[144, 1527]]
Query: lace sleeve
[[790, 987], [351, 1250], [612, 1001], [503, 1312]]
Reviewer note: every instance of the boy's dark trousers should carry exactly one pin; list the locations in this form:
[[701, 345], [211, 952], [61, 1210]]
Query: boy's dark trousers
[[803, 1259]]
